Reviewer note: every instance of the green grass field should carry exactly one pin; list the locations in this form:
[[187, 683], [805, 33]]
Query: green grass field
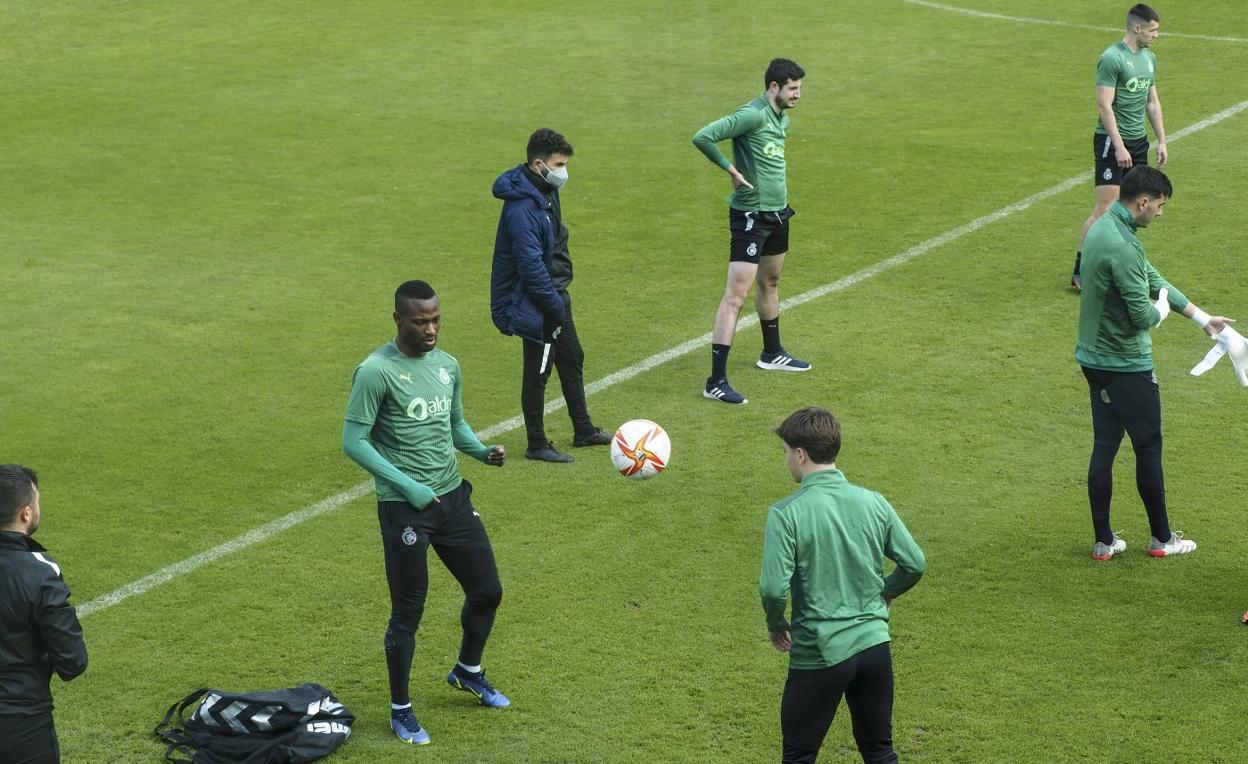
[[204, 211]]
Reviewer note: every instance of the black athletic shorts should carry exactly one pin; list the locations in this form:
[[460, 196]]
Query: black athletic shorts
[[758, 234], [1108, 173]]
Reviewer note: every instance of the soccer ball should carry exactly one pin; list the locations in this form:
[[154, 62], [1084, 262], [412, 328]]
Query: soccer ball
[[640, 449]]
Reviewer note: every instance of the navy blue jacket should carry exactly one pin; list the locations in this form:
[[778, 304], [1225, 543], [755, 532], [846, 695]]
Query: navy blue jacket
[[523, 300]]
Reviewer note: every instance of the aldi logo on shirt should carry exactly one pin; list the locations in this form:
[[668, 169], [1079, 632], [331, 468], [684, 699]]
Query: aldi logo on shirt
[[420, 409]]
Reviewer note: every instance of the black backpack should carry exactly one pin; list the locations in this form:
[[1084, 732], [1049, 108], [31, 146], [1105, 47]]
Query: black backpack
[[298, 724]]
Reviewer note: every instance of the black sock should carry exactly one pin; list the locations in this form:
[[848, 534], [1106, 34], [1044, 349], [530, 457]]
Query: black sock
[[771, 335], [400, 646], [1078, 258], [719, 361]]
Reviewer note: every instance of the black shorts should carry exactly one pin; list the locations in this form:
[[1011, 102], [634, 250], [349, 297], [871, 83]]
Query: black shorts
[[758, 234], [1108, 173]]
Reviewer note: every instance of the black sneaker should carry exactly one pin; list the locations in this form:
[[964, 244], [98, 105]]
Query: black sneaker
[[596, 437], [547, 453], [722, 391]]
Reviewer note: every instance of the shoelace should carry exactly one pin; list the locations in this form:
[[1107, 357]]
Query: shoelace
[[480, 680], [408, 720]]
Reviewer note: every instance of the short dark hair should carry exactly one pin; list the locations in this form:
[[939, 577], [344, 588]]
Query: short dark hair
[[1143, 180], [815, 430], [781, 70], [1141, 14], [413, 290], [17, 489], [545, 143]]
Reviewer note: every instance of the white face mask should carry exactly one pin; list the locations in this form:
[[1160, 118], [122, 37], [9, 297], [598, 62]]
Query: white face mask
[[556, 177]]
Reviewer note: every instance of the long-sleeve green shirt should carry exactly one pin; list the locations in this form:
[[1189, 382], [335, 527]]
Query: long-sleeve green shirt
[[825, 545], [757, 134], [1116, 299]]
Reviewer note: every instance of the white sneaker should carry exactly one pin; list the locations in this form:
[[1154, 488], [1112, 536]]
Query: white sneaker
[[1105, 551], [1176, 545]]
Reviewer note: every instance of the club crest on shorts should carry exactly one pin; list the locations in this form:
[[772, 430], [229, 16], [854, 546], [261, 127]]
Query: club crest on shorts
[[409, 536], [1107, 174], [443, 375], [752, 250]]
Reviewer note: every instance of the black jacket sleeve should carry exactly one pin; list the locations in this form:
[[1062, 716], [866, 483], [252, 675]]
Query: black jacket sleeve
[[61, 631]]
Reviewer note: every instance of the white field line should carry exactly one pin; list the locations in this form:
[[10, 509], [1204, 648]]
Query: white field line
[[256, 535], [1056, 23]]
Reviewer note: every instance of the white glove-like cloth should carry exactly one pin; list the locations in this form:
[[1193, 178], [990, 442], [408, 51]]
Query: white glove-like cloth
[[1163, 304], [1232, 343]]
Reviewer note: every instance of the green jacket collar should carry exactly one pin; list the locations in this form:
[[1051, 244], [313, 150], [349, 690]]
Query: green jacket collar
[[824, 477], [1120, 212]]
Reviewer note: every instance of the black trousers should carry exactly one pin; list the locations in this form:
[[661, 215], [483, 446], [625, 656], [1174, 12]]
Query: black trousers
[[28, 740], [812, 695], [455, 531], [1127, 402], [566, 355]]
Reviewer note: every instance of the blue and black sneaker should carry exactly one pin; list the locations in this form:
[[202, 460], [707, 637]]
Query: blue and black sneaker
[[478, 685], [720, 390], [407, 727], [781, 361]]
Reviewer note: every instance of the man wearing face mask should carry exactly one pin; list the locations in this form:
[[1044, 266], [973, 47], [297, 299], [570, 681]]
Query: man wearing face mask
[[529, 298]]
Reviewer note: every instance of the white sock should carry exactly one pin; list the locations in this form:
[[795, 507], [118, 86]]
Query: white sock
[[397, 707], [469, 669]]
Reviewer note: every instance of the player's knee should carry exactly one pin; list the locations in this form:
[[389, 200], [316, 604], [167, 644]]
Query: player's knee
[[406, 619], [397, 633], [486, 597], [734, 299], [1147, 443]]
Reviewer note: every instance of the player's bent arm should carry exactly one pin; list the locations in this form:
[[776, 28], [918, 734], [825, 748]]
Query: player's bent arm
[[61, 632], [466, 440], [1156, 282], [779, 561], [462, 436], [1105, 110], [1131, 275], [530, 265], [901, 548], [355, 444], [739, 122]]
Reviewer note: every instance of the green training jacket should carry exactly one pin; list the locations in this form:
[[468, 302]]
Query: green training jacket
[[825, 546], [1116, 300]]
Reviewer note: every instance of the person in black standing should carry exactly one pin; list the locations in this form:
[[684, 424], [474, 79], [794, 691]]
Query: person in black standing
[[39, 630], [529, 280]]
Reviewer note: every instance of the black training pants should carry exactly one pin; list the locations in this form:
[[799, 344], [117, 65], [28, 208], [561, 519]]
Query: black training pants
[[566, 355], [28, 739], [1127, 402], [812, 695], [455, 531]]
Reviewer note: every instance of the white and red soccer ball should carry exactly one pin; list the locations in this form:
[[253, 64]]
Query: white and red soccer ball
[[640, 449]]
